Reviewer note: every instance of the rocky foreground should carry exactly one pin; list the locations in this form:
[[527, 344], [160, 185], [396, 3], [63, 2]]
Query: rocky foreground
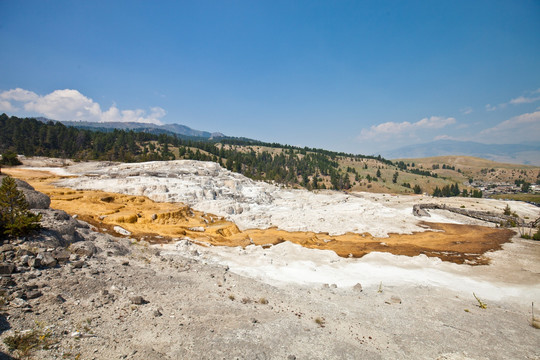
[[72, 292]]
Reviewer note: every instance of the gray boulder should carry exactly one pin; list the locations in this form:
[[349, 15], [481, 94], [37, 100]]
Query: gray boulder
[[46, 259], [35, 199], [83, 248], [61, 255], [59, 225]]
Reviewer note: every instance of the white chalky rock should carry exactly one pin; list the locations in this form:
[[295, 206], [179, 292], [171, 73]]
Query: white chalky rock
[[121, 231]]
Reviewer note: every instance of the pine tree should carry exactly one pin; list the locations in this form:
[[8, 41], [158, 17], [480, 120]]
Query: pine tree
[[15, 219]]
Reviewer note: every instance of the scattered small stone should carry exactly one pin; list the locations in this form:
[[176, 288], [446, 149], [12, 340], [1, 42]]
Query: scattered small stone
[[393, 300], [83, 248], [291, 357], [154, 216], [62, 256], [125, 263], [78, 264], [333, 286], [33, 294], [7, 268], [157, 313], [19, 303], [254, 321], [7, 281], [23, 252], [120, 230], [46, 259], [34, 263], [197, 228], [138, 300], [6, 248], [358, 287], [23, 260]]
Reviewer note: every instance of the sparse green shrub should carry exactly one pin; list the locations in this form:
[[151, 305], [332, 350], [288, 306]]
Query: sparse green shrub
[[15, 219], [10, 158], [22, 344], [263, 301]]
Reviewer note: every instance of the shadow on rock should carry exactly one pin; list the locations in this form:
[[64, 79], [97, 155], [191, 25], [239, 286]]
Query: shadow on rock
[[4, 356], [4, 324]]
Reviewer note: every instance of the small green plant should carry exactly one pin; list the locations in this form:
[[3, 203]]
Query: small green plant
[[263, 301], [380, 288], [320, 321], [481, 304], [22, 344], [231, 297]]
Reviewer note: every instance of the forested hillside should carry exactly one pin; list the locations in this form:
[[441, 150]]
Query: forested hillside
[[311, 168], [289, 165]]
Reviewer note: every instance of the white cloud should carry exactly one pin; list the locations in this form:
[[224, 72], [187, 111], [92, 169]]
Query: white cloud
[[69, 104], [445, 137], [516, 101], [524, 100], [19, 94], [468, 110], [65, 105], [525, 127], [489, 107], [393, 129], [6, 106]]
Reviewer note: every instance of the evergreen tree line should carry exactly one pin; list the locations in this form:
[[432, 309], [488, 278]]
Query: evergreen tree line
[[453, 190], [294, 165]]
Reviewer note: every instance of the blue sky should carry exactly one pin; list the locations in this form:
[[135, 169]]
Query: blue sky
[[354, 76]]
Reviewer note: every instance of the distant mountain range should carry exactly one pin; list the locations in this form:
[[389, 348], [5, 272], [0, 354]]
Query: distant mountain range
[[527, 154], [169, 129]]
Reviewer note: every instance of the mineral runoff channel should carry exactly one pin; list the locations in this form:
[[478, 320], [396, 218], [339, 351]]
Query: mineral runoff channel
[[158, 222]]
